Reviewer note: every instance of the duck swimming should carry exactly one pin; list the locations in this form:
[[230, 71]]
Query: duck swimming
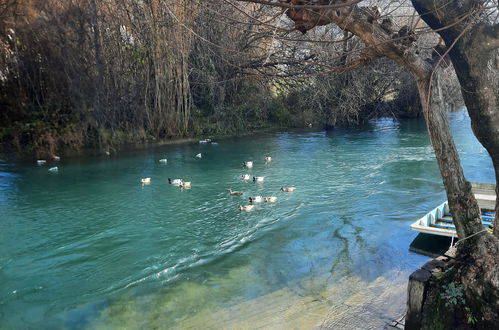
[[246, 207], [185, 184], [198, 155], [268, 159], [163, 161], [288, 189], [258, 178], [271, 199], [145, 180], [256, 199], [174, 181], [245, 176], [234, 193], [248, 164]]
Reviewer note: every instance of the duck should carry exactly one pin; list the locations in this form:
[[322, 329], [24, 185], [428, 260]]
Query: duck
[[245, 176], [234, 193], [163, 161], [258, 178], [268, 159], [54, 169], [56, 158], [185, 184], [199, 155], [145, 180], [41, 161], [288, 189], [256, 199], [246, 207], [203, 141], [174, 181], [248, 164], [271, 199]]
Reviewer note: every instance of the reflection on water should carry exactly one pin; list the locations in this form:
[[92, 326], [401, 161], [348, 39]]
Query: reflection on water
[[90, 248]]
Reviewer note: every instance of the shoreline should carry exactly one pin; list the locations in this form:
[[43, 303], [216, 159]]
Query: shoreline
[[9, 153]]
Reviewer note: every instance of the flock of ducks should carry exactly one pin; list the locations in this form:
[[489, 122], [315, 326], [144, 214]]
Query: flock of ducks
[[187, 184], [41, 162], [256, 199], [246, 177]]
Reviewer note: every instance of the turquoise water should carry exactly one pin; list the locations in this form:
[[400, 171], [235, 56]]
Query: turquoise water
[[90, 247]]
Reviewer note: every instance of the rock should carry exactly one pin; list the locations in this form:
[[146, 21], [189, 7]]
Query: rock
[[416, 291], [435, 265], [451, 253]]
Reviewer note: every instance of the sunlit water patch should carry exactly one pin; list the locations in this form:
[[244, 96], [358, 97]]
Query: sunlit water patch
[[89, 247]]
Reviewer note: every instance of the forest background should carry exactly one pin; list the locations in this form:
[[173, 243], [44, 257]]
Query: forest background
[[105, 74]]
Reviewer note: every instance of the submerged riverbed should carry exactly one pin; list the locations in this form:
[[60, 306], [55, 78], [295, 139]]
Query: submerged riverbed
[[89, 247]]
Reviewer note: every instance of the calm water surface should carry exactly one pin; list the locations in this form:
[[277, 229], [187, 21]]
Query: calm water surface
[[89, 247]]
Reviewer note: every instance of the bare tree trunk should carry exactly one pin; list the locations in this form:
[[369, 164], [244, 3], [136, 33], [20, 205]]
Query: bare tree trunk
[[99, 79], [462, 202], [475, 56]]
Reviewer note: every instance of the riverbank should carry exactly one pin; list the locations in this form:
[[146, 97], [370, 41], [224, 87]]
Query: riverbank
[[44, 151]]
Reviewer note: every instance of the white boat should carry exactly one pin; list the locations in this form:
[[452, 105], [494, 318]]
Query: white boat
[[439, 220]]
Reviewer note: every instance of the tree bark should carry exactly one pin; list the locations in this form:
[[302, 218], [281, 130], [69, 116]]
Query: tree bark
[[462, 202], [99, 79], [475, 57]]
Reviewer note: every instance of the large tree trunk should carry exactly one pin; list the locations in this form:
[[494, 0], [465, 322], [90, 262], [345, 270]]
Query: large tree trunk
[[473, 52], [462, 202], [475, 56]]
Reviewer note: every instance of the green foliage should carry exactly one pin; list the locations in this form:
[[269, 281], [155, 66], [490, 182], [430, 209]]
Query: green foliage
[[452, 294], [278, 112], [469, 316]]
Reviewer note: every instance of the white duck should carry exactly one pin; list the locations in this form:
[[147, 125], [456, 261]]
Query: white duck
[[145, 180], [258, 178], [176, 182], [246, 207], [54, 169], [163, 161], [288, 189], [248, 164], [268, 159], [256, 199], [41, 161], [199, 155], [271, 199], [245, 176], [185, 184]]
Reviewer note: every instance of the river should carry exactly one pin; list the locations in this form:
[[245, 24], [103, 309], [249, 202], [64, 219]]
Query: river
[[89, 247]]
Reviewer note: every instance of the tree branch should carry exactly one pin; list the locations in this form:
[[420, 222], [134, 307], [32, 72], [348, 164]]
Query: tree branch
[[313, 4]]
